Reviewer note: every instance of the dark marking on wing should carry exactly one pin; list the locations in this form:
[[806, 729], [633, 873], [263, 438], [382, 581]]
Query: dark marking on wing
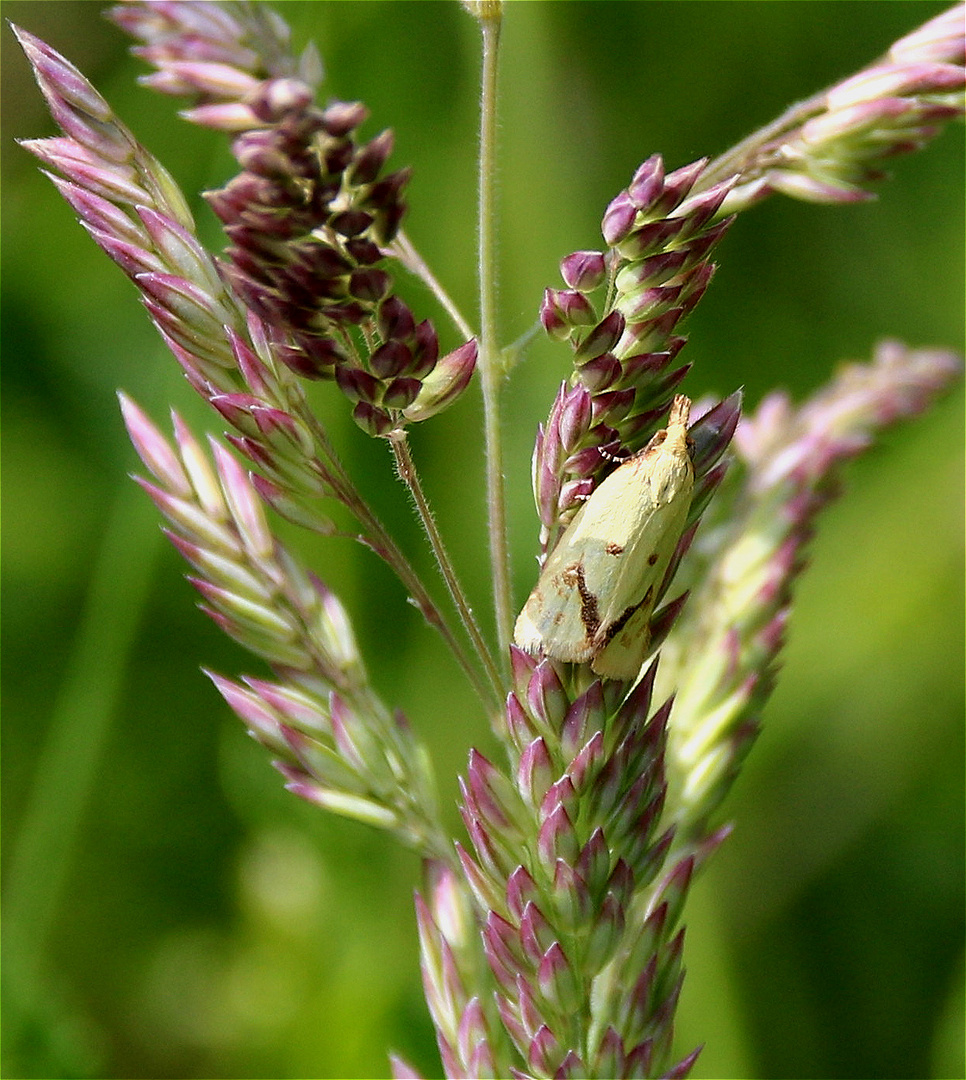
[[614, 549], [621, 621], [589, 615], [652, 558]]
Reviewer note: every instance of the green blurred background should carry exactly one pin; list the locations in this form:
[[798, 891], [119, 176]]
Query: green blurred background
[[169, 910]]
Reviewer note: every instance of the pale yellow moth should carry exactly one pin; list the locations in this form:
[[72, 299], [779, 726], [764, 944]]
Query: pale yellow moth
[[596, 593]]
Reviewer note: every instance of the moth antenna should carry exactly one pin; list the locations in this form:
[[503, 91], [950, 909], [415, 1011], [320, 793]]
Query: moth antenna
[[608, 456]]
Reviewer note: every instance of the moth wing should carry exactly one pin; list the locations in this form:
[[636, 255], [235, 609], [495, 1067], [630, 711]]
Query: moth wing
[[596, 592], [552, 619], [550, 623], [624, 655], [561, 616], [616, 535], [642, 528]]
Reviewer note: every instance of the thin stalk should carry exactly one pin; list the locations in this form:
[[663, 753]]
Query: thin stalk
[[490, 365], [406, 468], [378, 540], [406, 252], [513, 353], [740, 159]]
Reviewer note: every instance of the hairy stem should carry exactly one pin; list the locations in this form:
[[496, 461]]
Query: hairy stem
[[406, 468], [491, 369]]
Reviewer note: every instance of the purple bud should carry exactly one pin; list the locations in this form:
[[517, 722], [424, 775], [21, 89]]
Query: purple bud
[[654, 270], [674, 887], [697, 210], [117, 184], [612, 406], [713, 431], [395, 320], [245, 506], [683, 1068], [575, 418], [370, 159], [502, 943], [488, 791], [482, 884], [402, 1070], [358, 385], [131, 258], [518, 723], [57, 76], [386, 192], [246, 706], [520, 889], [593, 864], [586, 765], [275, 98], [619, 218], [336, 158], [634, 710], [543, 1053], [602, 338], [237, 410], [535, 772], [390, 360], [473, 1042], [546, 696], [528, 1004], [551, 317], [560, 793], [445, 383], [262, 457], [653, 236], [401, 393], [641, 367], [153, 449], [341, 117], [518, 1031], [363, 251], [817, 189], [572, 900], [571, 1068], [187, 301], [91, 208], [678, 184], [557, 840], [600, 372], [322, 351], [215, 79], [351, 222], [257, 152], [573, 493], [276, 426], [583, 717], [890, 80], [609, 1060], [425, 348], [373, 421], [647, 183], [558, 981], [583, 270], [638, 1060], [369, 285]]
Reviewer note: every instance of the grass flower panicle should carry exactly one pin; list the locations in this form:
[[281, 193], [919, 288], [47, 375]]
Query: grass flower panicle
[[552, 934]]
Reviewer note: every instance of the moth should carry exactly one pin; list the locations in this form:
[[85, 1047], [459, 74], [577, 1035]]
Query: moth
[[596, 593]]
